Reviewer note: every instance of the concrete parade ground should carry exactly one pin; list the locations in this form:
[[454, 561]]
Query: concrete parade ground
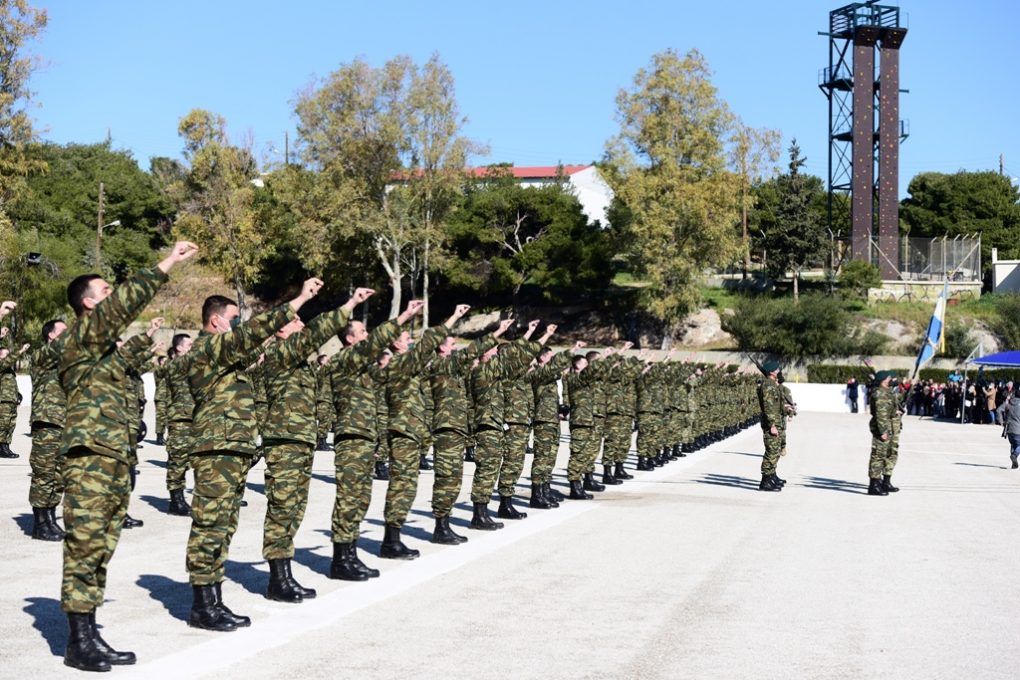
[[685, 572]]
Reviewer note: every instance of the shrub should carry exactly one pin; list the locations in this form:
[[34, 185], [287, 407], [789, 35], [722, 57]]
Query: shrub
[[1006, 323], [857, 277]]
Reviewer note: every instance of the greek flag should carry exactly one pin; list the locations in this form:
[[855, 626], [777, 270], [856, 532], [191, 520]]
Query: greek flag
[[935, 339]]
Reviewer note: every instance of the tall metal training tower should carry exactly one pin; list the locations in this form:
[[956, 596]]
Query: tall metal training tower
[[864, 158]]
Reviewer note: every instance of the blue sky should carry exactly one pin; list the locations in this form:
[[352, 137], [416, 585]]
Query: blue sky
[[536, 80]]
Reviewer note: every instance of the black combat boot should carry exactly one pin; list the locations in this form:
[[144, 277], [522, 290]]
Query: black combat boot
[[237, 619], [82, 651], [777, 480], [342, 567], [877, 488], [178, 506], [361, 566], [590, 484], [469, 454], [621, 472], [608, 478], [507, 510], [393, 548], [887, 484], [205, 613], [768, 485], [644, 463], [481, 519], [320, 445], [51, 515], [539, 499], [678, 451], [553, 495], [659, 459], [305, 593], [132, 523], [443, 534], [382, 472], [423, 463], [5, 451], [577, 492], [280, 587], [672, 453], [41, 528], [114, 657], [160, 441], [1013, 461]]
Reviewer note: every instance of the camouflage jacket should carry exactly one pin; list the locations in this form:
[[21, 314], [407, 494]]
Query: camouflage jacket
[[323, 388], [224, 418], [543, 381], [49, 402], [9, 377], [448, 382], [407, 413], [291, 381], [519, 398], [159, 377], [354, 389], [257, 376], [101, 408], [621, 391], [884, 410], [770, 401], [647, 391], [583, 391], [180, 405], [487, 396], [137, 353], [377, 377]]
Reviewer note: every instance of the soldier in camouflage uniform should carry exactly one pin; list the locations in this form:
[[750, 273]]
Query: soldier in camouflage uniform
[[162, 406], [180, 409], [583, 392], [324, 414], [136, 353], [448, 374], [9, 396], [290, 438], [377, 375], [407, 428], [96, 444], [543, 377], [884, 406], [224, 431], [773, 426], [649, 413], [354, 397], [47, 421], [619, 421]]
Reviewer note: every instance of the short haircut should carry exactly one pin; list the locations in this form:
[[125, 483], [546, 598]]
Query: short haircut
[[78, 289], [591, 355], [48, 327], [576, 361], [345, 331], [215, 304], [177, 340]]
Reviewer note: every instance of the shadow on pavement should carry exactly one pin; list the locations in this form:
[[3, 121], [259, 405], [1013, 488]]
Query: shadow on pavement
[[729, 480], [257, 488], [371, 545], [175, 596], [834, 485], [24, 522], [454, 520], [314, 561], [156, 463], [49, 620], [743, 453], [407, 530], [161, 504], [328, 479], [247, 576], [997, 467]]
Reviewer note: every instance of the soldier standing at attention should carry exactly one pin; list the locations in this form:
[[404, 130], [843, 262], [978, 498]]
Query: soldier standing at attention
[[290, 438], [180, 408], [583, 392], [224, 430], [773, 425], [100, 414], [884, 414], [407, 428], [324, 415], [354, 395], [450, 405], [47, 420], [160, 399], [9, 395], [620, 405]]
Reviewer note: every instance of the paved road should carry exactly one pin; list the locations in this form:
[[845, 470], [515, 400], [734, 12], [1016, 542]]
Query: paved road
[[686, 572]]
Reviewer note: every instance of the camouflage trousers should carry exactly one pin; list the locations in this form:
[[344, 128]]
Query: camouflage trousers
[[584, 449], [883, 456], [547, 445], [161, 424], [47, 467], [178, 450], [488, 455], [261, 414], [353, 458], [219, 485], [324, 415], [515, 442], [618, 436], [405, 453], [8, 416], [774, 446], [649, 434], [448, 451], [96, 493], [288, 476]]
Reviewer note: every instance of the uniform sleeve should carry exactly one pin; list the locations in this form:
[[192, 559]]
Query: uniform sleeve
[[294, 351], [112, 316], [414, 360], [237, 346]]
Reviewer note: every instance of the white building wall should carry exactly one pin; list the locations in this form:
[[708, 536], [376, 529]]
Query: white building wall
[[593, 193]]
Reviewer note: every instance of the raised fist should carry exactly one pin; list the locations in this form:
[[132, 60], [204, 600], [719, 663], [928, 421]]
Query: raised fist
[[505, 324], [580, 344], [155, 324], [4, 331], [461, 310], [627, 345], [533, 324], [550, 329], [362, 294], [311, 288], [7, 306], [183, 250]]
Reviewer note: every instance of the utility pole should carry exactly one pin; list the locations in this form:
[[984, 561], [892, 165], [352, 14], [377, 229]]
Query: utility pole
[[99, 231], [1002, 164], [286, 148]]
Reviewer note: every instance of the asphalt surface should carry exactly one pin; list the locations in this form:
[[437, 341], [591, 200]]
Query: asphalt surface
[[685, 572]]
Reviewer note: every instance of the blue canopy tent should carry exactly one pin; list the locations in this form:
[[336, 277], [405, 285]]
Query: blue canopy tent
[[999, 360]]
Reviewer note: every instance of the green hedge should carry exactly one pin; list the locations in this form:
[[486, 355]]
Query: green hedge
[[837, 374]]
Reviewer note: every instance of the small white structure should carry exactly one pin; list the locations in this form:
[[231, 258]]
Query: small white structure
[[1005, 274], [584, 182]]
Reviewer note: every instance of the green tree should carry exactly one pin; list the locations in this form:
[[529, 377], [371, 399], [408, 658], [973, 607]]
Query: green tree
[[857, 277], [794, 233], [668, 165], [753, 156]]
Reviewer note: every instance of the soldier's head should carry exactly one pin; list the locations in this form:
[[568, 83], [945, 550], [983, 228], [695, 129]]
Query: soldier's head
[[488, 354], [353, 333], [219, 314], [384, 358], [402, 343], [161, 360], [590, 356], [52, 329], [322, 359], [86, 291], [290, 328], [181, 344], [580, 362], [545, 356], [448, 346]]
